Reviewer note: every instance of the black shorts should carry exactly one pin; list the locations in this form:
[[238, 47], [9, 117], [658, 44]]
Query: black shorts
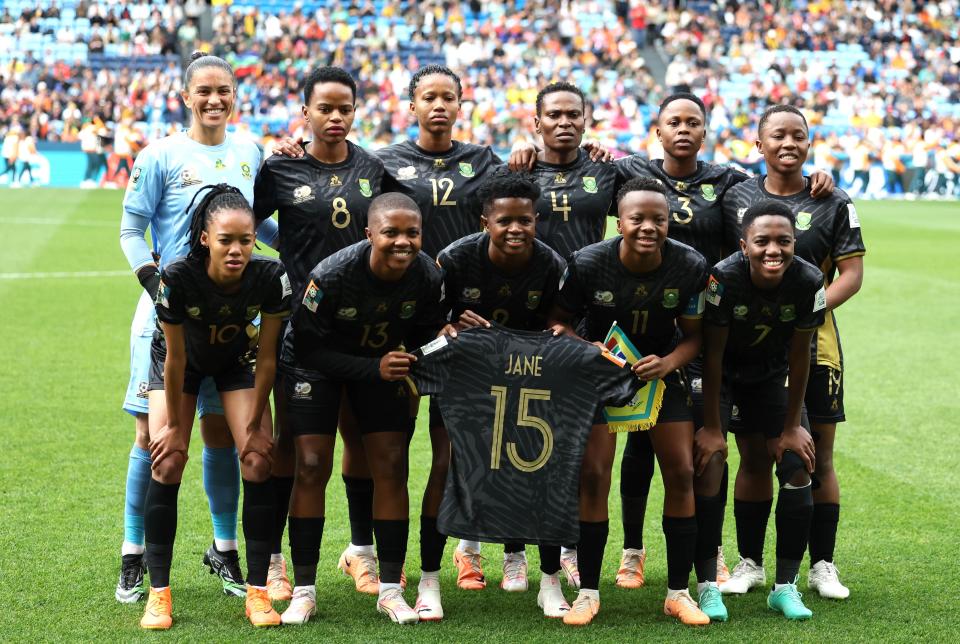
[[313, 406], [759, 408], [436, 418], [824, 399], [677, 406], [240, 377], [694, 372]]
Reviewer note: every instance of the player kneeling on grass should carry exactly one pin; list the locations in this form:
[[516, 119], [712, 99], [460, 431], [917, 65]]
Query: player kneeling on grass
[[207, 305], [361, 306], [763, 304]]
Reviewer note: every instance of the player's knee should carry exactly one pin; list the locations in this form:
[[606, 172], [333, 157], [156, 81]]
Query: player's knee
[[791, 471], [678, 479], [312, 471], [170, 469], [756, 466], [392, 467], [255, 467], [594, 480]]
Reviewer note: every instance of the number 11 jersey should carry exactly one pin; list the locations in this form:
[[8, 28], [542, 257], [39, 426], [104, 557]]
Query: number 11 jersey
[[518, 406]]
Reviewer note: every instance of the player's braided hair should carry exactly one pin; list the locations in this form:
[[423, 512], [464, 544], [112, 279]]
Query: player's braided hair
[[429, 70], [219, 197]]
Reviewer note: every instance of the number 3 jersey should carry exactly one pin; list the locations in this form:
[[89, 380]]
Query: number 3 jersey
[[518, 406]]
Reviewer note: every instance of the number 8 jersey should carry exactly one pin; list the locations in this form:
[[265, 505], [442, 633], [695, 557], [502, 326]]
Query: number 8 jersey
[[518, 406]]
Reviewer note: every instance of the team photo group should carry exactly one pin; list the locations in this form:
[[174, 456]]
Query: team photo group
[[432, 268]]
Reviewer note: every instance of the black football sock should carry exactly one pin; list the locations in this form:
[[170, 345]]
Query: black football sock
[[282, 489], [751, 518], [160, 530], [593, 540], [258, 516], [681, 537], [794, 509], [636, 472], [823, 531], [305, 536], [431, 544], [391, 538], [709, 527], [549, 559], [360, 509]]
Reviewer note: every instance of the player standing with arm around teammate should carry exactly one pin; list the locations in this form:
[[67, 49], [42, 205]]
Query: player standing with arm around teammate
[[166, 177], [507, 276], [653, 286], [321, 199], [361, 307], [829, 237], [763, 305], [207, 304]]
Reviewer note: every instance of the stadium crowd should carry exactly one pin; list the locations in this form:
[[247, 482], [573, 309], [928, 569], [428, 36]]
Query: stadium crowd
[[878, 80]]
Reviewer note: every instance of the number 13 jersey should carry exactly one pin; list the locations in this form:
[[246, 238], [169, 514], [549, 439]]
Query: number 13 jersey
[[519, 407]]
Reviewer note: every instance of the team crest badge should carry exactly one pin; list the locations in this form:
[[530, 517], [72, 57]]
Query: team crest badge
[[219, 165], [335, 181], [194, 312], [312, 297], [407, 309], [740, 311], [708, 192], [603, 298], [245, 170], [560, 178], [788, 312], [803, 220], [590, 185], [365, 187], [406, 172], [302, 194], [466, 170], [533, 299], [346, 313], [671, 298], [471, 294]]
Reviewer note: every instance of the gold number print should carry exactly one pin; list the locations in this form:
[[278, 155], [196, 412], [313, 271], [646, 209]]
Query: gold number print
[[340, 215], [224, 334], [500, 316], [379, 335], [764, 330], [640, 321], [524, 419], [685, 207], [446, 185], [566, 208]]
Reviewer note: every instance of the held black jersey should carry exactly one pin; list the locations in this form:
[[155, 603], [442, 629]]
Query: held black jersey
[[574, 202], [761, 322], [348, 318], [219, 328], [828, 231], [444, 185], [646, 305], [321, 207], [518, 301], [518, 406], [696, 213]]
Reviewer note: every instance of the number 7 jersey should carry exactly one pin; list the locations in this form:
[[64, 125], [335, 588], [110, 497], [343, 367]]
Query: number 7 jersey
[[519, 407]]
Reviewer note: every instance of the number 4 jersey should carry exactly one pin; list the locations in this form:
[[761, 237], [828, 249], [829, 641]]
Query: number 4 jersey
[[518, 406]]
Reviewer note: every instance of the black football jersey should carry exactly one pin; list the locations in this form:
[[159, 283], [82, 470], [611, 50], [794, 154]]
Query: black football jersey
[[219, 328], [518, 301], [828, 231], [645, 306], [444, 185], [321, 207], [348, 318], [761, 322], [696, 213], [574, 202], [518, 406]]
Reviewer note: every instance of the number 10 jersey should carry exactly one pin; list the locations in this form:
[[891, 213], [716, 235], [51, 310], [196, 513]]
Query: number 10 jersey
[[518, 406]]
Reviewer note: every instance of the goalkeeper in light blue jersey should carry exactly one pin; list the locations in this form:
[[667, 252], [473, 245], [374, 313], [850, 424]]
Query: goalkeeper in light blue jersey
[[165, 178]]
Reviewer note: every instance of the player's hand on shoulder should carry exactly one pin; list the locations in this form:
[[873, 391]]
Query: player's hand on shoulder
[[289, 147], [821, 184], [168, 441], [798, 440], [449, 330], [597, 151], [469, 319], [523, 156], [396, 365], [707, 442], [559, 328], [651, 367]]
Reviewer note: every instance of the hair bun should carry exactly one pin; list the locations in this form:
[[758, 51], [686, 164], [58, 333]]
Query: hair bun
[[198, 54]]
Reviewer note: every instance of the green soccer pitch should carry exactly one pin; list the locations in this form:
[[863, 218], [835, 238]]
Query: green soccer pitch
[[66, 301]]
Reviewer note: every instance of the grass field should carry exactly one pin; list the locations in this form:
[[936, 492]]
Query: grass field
[[64, 440]]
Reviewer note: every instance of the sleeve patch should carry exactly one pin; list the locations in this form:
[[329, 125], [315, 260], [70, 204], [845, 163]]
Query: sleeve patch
[[285, 283], [714, 291], [434, 345], [695, 304], [820, 300], [163, 295], [563, 278], [852, 214], [311, 299]]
